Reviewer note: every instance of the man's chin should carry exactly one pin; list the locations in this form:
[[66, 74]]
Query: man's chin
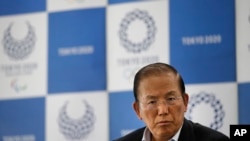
[[164, 134], [165, 131]]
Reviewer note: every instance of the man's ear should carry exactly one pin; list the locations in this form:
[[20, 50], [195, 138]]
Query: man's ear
[[137, 109], [185, 100]]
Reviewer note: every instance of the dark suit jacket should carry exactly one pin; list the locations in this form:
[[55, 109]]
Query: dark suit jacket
[[190, 132]]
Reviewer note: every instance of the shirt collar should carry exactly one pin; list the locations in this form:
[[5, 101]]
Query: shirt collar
[[146, 134], [176, 136]]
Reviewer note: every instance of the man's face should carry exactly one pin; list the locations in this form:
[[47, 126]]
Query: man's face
[[161, 104]]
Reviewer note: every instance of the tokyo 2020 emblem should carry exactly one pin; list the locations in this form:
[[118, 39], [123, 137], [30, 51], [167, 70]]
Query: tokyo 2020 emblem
[[143, 16]]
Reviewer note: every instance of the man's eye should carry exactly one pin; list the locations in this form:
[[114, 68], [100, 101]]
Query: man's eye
[[171, 98], [152, 102]]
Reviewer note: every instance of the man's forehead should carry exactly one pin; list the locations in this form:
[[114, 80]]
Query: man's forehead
[[152, 96]]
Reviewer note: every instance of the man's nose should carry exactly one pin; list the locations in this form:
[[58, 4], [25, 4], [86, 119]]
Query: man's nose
[[162, 108]]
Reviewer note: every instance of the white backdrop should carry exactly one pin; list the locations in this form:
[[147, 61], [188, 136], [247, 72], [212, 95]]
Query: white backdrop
[[67, 67]]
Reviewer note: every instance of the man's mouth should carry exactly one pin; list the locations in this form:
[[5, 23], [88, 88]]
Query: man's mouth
[[163, 123]]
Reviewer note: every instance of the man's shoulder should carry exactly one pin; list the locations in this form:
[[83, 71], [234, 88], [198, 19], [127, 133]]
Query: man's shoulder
[[133, 136], [202, 131]]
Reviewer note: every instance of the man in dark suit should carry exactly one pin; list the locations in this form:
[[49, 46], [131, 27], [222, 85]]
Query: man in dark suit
[[161, 101]]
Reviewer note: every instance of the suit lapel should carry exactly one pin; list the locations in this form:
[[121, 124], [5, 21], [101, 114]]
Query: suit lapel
[[187, 132]]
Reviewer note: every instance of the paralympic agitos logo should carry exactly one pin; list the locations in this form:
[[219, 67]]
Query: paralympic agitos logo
[[19, 49], [76, 129]]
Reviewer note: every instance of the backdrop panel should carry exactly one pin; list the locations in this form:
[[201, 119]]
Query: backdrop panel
[[214, 105], [67, 67], [137, 34], [202, 39], [242, 40], [20, 7], [23, 55], [77, 50], [77, 116], [122, 113], [22, 120], [243, 57]]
